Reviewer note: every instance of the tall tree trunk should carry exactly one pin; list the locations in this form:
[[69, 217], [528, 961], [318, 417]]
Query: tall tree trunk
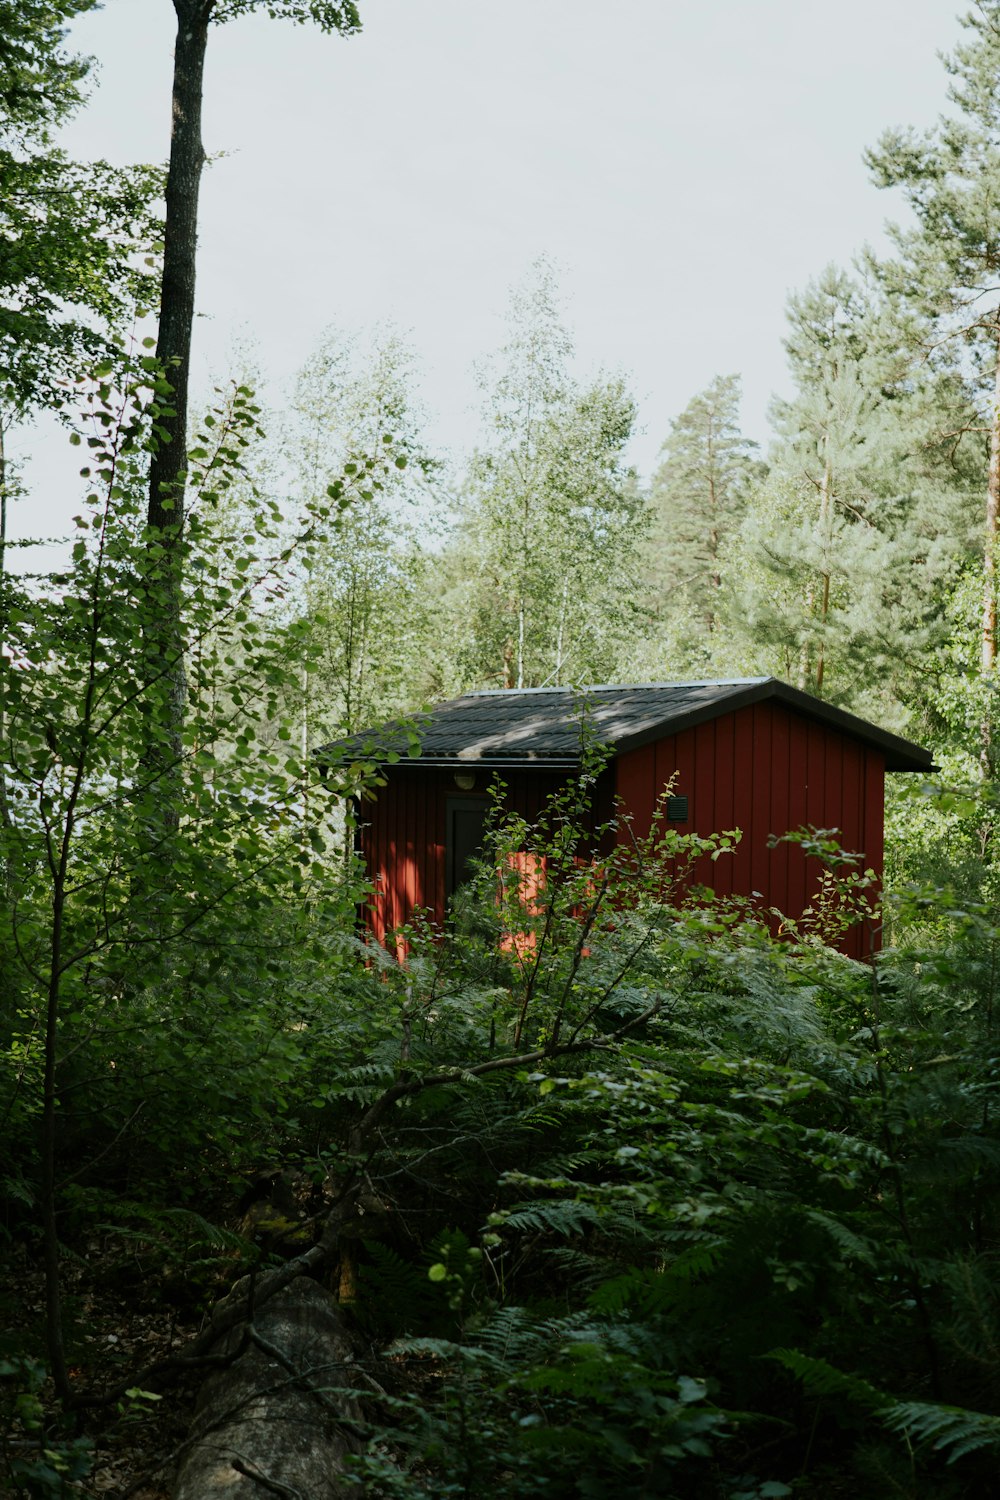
[[8, 865], [805, 649], [825, 505], [714, 577], [988, 645], [163, 626], [3, 496], [4, 805], [560, 629], [51, 1252], [507, 660]]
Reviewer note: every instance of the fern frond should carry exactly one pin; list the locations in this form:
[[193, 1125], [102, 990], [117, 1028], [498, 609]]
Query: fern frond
[[646, 1292], [975, 1323], [822, 1379], [954, 1430], [698, 1260], [513, 1337], [640, 1292], [396, 1288], [174, 1223], [952, 1157], [566, 1217], [583, 1271], [887, 1472], [852, 1246], [951, 1429]]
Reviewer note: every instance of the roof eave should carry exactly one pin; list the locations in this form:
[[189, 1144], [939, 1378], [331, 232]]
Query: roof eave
[[493, 761]]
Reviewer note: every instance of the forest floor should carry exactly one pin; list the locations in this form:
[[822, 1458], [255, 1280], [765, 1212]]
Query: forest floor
[[118, 1324]]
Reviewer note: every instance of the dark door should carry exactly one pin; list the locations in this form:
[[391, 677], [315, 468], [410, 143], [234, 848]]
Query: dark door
[[466, 820]]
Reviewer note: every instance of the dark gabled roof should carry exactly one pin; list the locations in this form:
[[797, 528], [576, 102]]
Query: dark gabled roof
[[545, 726]]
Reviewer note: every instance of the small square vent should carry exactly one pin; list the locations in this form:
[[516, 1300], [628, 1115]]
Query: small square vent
[[677, 809]]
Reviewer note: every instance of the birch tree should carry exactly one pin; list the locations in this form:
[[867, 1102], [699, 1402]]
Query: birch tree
[[553, 520], [72, 234], [360, 597], [164, 669], [75, 246]]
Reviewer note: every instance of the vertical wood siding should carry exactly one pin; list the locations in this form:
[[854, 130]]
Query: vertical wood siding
[[401, 838], [765, 770]]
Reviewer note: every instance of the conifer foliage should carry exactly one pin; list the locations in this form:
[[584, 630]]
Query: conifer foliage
[[698, 495]]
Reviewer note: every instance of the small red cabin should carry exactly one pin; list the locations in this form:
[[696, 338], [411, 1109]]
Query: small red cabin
[[753, 754]]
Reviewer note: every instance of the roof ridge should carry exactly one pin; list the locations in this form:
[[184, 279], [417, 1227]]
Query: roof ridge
[[614, 687]]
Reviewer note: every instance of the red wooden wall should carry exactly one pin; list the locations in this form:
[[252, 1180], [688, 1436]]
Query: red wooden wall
[[402, 836], [765, 770]]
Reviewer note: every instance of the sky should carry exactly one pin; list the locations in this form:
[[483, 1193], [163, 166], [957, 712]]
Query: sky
[[684, 165]]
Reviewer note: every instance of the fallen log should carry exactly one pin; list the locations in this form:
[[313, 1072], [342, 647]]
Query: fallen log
[[272, 1421]]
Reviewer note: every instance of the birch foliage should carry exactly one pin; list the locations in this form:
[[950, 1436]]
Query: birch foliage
[[553, 522], [360, 596]]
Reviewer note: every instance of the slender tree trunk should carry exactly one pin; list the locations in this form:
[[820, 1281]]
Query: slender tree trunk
[[825, 501], [173, 349], [4, 805], [526, 544], [824, 608], [560, 630], [805, 651], [3, 499], [164, 646], [714, 577], [49, 1149], [349, 660], [988, 647], [989, 634], [8, 867], [59, 845], [304, 748]]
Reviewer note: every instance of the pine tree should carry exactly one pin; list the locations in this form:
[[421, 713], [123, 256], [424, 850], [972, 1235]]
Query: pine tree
[[837, 576], [948, 264], [697, 498], [829, 433]]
